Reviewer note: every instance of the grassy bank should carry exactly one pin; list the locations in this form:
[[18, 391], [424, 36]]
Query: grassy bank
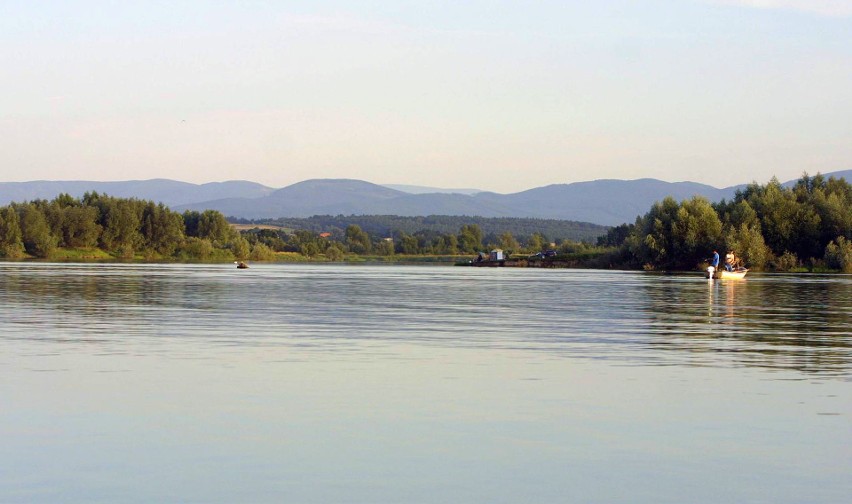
[[87, 254]]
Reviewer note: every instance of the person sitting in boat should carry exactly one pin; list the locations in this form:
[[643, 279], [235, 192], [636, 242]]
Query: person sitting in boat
[[738, 264], [730, 259]]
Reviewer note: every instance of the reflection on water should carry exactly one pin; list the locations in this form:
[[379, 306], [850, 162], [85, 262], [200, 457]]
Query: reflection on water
[[330, 383], [801, 322]]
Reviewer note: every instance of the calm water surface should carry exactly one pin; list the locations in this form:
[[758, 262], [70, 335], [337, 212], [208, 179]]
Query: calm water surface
[[318, 383]]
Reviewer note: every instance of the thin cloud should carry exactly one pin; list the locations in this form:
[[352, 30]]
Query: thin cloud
[[346, 23], [829, 8]]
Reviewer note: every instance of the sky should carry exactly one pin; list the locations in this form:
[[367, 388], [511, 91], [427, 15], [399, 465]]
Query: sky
[[500, 96]]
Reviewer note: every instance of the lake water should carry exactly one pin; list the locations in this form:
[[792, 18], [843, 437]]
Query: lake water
[[334, 383]]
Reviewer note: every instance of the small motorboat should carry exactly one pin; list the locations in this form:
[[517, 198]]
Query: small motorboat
[[723, 274], [241, 265]]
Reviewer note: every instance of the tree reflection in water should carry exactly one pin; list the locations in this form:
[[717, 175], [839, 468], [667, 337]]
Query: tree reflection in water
[[801, 322]]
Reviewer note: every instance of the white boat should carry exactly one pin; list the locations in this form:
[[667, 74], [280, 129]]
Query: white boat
[[723, 274]]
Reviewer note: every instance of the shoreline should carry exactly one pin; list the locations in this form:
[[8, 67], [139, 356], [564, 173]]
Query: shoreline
[[95, 256]]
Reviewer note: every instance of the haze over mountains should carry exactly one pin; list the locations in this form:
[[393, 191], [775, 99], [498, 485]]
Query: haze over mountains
[[169, 192], [608, 202]]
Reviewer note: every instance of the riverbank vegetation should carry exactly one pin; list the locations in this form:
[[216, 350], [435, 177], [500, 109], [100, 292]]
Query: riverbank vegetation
[[807, 227], [383, 226], [356, 244], [101, 227]]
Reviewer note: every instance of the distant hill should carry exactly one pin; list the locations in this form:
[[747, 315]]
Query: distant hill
[[606, 202], [168, 192], [304, 199], [414, 189]]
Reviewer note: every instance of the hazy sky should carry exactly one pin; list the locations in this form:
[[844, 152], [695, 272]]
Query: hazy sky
[[501, 96]]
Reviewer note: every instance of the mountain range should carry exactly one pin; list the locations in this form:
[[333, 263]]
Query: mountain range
[[607, 202]]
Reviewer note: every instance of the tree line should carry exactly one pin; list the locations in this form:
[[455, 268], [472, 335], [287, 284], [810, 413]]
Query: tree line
[[129, 228], [335, 243], [389, 225], [808, 225], [126, 228]]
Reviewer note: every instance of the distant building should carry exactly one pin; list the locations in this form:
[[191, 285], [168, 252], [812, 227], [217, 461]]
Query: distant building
[[496, 255], [325, 235]]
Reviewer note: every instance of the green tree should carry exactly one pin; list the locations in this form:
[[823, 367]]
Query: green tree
[[834, 206], [213, 226], [615, 236], [470, 238], [446, 244], [676, 236], [408, 244], [358, 240], [777, 209], [743, 213], [35, 232], [384, 248], [162, 229], [838, 254], [309, 249], [804, 239], [191, 219], [274, 239], [80, 226], [307, 243], [54, 214], [199, 249], [121, 233], [651, 241], [335, 252], [787, 261], [536, 243], [11, 239], [747, 242], [508, 243], [240, 248], [261, 252], [696, 230]]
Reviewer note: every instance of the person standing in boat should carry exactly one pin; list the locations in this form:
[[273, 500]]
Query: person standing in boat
[[715, 260]]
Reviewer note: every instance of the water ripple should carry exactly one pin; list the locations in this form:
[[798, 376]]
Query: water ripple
[[801, 322]]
